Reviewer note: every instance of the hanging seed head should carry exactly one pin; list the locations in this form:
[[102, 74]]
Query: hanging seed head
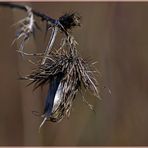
[[65, 74]]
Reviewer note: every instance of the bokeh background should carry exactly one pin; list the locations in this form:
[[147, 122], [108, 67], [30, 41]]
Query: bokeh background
[[113, 33]]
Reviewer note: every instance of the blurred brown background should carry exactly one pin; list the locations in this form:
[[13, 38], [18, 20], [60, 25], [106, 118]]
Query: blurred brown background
[[115, 35]]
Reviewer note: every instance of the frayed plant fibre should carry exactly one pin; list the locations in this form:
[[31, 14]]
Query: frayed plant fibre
[[64, 70]]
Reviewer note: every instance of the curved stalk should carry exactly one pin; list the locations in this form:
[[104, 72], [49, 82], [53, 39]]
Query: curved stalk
[[50, 44]]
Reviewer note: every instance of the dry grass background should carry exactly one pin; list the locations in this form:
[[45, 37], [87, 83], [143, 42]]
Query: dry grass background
[[114, 34]]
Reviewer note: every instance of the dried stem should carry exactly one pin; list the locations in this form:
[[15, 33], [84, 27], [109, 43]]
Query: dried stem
[[50, 44]]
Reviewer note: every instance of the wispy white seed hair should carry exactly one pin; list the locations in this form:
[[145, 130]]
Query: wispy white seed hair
[[26, 28]]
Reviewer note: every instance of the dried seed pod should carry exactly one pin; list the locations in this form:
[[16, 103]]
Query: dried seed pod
[[65, 74]]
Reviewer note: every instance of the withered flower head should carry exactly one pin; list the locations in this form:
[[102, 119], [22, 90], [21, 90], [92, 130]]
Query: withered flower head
[[66, 74]]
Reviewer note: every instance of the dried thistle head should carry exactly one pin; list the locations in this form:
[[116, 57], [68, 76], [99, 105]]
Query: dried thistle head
[[65, 74]]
